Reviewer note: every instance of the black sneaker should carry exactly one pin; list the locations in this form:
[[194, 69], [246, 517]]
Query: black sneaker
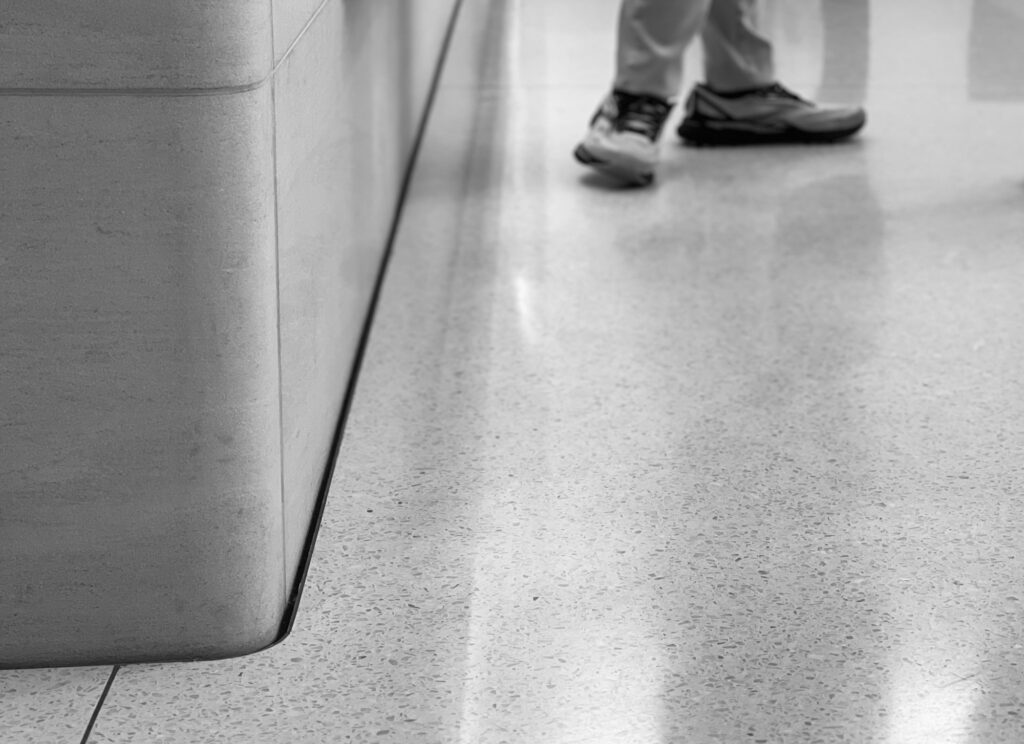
[[763, 116], [622, 140]]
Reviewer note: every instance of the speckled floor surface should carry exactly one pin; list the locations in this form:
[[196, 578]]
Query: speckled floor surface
[[733, 459]]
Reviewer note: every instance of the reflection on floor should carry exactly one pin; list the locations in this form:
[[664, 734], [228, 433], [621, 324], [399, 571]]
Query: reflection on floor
[[732, 459]]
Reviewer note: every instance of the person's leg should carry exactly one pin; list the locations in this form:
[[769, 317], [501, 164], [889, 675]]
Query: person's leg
[[741, 103], [736, 55], [652, 37], [622, 139]]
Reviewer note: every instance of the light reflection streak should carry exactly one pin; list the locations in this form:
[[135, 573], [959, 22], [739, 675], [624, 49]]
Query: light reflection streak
[[548, 658], [924, 711]]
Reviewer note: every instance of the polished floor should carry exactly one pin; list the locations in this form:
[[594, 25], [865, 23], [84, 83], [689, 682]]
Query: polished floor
[[733, 459]]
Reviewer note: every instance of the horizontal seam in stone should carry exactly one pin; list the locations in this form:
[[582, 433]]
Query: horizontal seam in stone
[[227, 90], [224, 90]]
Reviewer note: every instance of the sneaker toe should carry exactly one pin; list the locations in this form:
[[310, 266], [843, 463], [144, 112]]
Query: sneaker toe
[[618, 157], [825, 120], [627, 150]]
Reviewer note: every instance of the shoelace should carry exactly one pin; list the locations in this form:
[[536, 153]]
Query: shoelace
[[642, 115], [777, 91]]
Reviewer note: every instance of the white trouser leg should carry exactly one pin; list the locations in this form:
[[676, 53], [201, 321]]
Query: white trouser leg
[[653, 36], [736, 55]]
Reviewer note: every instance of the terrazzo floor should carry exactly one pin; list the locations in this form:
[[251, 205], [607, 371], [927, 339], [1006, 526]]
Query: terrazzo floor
[[733, 459]]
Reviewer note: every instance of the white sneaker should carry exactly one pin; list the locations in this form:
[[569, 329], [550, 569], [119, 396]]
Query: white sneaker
[[622, 140]]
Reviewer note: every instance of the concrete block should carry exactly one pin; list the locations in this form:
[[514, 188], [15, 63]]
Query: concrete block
[[140, 470]]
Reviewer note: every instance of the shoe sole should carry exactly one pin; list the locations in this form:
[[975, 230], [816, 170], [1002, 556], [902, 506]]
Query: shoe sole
[[700, 132], [618, 171]]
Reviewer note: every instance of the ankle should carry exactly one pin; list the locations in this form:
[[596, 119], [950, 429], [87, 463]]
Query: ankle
[[646, 96], [738, 92]]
